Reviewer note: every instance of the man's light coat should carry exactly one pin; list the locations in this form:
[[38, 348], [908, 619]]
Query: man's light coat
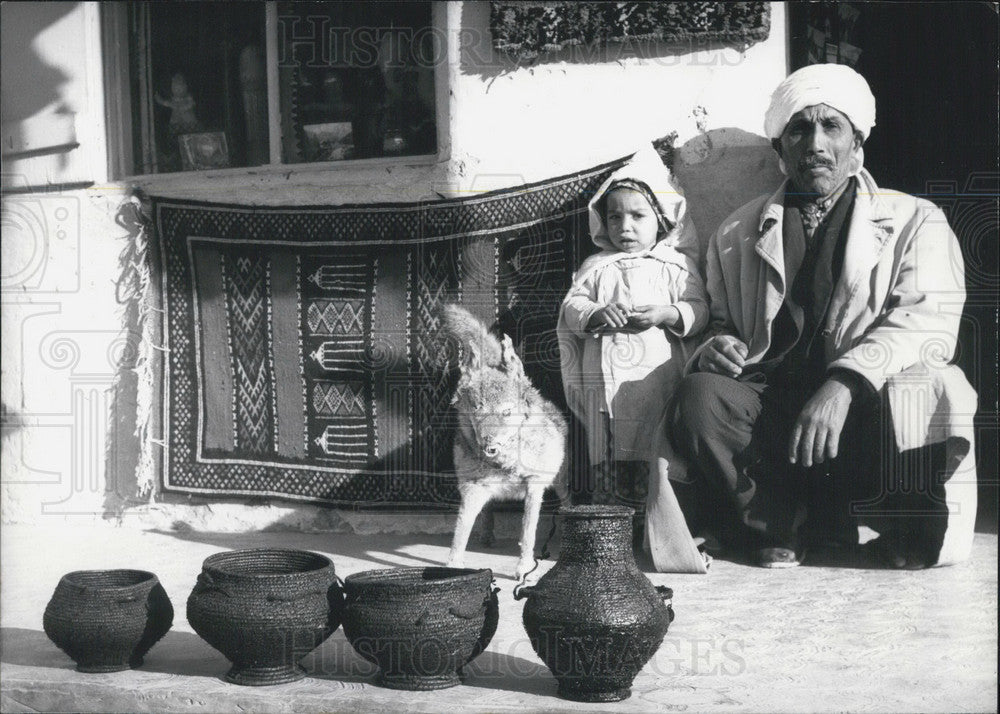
[[893, 318]]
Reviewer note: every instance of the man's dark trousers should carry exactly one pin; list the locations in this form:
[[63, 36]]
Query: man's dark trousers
[[735, 433]]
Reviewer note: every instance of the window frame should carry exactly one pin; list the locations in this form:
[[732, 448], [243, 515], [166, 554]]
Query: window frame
[[114, 29]]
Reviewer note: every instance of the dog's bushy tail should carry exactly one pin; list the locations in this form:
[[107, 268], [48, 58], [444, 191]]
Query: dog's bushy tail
[[474, 342]]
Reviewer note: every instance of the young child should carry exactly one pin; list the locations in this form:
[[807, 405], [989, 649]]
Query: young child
[[621, 330]]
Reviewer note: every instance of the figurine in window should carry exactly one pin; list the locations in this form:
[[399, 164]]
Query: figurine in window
[[181, 105]]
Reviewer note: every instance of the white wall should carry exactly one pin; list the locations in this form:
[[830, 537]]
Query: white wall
[[51, 94], [58, 312], [562, 114], [62, 326]]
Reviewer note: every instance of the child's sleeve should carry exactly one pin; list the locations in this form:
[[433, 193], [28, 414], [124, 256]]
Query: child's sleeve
[[579, 306], [691, 300], [687, 289]]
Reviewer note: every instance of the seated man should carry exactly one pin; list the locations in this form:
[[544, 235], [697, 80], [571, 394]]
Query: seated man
[[823, 391]]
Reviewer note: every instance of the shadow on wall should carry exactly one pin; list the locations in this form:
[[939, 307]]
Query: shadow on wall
[[29, 84], [719, 171]]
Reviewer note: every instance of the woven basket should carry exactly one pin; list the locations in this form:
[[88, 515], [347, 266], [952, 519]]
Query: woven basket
[[420, 625], [265, 609], [107, 620], [594, 618]]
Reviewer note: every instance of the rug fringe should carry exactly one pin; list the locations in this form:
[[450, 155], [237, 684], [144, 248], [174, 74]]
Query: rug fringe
[[134, 292]]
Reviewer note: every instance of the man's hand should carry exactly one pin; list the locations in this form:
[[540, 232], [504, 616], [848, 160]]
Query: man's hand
[[613, 316], [816, 434], [725, 355], [645, 316]]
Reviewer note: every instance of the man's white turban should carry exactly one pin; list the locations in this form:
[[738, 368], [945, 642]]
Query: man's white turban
[[835, 85]]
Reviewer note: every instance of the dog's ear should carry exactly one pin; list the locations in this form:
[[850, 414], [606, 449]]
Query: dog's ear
[[509, 359], [473, 354]]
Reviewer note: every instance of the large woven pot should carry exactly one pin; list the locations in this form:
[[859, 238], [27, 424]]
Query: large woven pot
[[265, 609], [594, 618], [420, 625], [107, 620]]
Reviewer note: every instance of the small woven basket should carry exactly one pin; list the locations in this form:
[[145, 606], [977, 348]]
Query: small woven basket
[[107, 620], [265, 609], [420, 625]]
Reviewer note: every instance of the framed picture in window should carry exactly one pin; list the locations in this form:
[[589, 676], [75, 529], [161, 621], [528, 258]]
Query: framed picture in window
[[203, 150], [332, 141]]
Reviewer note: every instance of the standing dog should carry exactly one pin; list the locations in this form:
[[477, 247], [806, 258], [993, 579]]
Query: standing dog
[[510, 442]]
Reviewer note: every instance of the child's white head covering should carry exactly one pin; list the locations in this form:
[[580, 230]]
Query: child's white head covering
[[645, 170]]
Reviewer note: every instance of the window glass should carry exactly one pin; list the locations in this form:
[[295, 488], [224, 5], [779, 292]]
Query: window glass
[[356, 80], [205, 84]]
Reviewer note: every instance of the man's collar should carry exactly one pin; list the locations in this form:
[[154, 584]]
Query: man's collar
[[774, 207], [867, 190]]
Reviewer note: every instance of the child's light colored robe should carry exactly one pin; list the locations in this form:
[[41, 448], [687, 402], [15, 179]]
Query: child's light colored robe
[[621, 381], [624, 381]]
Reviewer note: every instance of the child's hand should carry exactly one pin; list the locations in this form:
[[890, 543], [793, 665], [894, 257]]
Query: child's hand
[[609, 317], [646, 316]]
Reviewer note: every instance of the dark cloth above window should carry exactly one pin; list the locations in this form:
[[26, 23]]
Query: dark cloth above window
[[526, 29]]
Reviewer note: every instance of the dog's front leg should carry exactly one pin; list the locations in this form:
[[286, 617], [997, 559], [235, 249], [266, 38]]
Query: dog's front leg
[[561, 487], [529, 526], [474, 497]]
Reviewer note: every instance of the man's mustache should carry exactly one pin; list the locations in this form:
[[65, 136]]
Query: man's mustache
[[811, 162]]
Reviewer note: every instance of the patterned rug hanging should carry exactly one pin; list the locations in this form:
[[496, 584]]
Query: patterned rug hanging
[[303, 355], [524, 30]]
